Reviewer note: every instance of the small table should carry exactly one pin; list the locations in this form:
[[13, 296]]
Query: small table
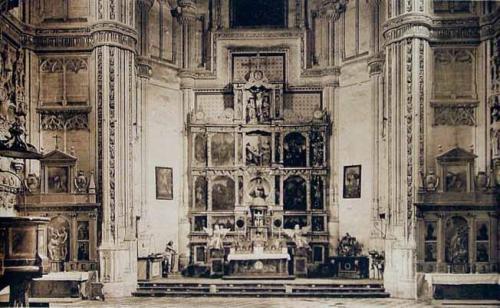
[[149, 267]]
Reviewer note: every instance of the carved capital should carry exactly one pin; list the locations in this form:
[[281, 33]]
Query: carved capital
[[333, 9], [376, 64]]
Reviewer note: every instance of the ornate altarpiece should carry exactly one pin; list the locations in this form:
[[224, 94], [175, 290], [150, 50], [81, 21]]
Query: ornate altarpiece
[[258, 156]]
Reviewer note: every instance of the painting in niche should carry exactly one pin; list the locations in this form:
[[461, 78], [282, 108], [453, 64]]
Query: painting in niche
[[200, 254], [58, 179], [200, 222], [83, 231], [318, 223], [83, 251], [200, 149], [291, 221], [222, 149], [164, 186], [259, 189], [316, 193], [456, 240], [318, 254], [456, 178], [200, 193], [264, 13], [295, 194], [223, 222], [352, 182], [317, 148], [430, 231], [258, 149], [294, 150], [430, 252], [58, 239], [223, 197]]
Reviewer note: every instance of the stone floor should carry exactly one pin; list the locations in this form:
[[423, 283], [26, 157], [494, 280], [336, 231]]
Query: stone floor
[[271, 303]]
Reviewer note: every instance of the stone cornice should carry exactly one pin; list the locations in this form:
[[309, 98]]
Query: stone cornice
[[70, 38], [466, 30]]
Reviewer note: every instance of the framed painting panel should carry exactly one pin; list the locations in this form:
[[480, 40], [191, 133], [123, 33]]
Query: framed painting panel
[[352, 182], [164, 185]]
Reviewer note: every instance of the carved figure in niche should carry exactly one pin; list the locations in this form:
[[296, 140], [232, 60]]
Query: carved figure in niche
[[83, 250], [495, 109], [482, 234], [258, 149], [216, 237], [200, 199], [457, 241], [295, 150], [251, 111], [316, 193], [295, 194], [431, 181], [317, 148], [430, 232], [482, 254], [81, 182], [259, 189], [57, 243], [6, 82], [297, 235], [32, 182], [430, 252], [83, 230], [222, 149], [349, 246], [223, 194]]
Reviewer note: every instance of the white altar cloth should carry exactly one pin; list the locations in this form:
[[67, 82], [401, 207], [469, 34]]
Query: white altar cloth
[[461, 279], [257, 256]]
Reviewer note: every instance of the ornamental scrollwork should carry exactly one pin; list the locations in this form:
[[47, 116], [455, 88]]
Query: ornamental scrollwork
[[455, 115]]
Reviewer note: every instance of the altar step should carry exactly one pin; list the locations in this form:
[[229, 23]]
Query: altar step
[[248, 289]]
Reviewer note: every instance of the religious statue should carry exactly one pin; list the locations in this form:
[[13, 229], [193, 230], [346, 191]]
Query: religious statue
[[297, 235], [258, 191], [32, 182], [81, 182], [317, 149], [431, 181], [251, 111], [216, 236], [57, 244], [168, 259]]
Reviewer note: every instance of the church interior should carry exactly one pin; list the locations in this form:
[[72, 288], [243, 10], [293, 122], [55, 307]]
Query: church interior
[[243, 140]]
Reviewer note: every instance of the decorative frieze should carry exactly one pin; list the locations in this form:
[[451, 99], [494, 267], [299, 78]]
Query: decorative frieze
[[454, 114], [64, 119]]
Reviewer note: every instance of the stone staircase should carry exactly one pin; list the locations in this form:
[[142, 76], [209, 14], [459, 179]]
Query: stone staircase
[[261, 289]]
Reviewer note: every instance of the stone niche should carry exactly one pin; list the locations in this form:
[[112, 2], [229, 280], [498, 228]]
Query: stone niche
[[66, 196]]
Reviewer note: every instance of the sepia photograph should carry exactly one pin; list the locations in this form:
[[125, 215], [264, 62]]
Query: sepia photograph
[[250, 153]]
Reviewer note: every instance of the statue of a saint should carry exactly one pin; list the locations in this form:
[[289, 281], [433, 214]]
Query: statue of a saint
[[297, 235], [216, 236]]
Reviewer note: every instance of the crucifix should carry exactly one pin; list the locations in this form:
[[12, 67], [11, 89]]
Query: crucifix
[[56, 137], [258, 63]]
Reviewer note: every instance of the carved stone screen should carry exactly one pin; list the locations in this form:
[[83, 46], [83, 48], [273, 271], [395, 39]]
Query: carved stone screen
[[271, 64], [258, 13]]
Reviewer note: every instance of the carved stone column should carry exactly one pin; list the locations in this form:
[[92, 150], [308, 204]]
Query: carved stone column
[[190, 50], [114, 56]]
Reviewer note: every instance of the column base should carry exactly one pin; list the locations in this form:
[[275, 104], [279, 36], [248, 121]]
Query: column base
[[118, 268]]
